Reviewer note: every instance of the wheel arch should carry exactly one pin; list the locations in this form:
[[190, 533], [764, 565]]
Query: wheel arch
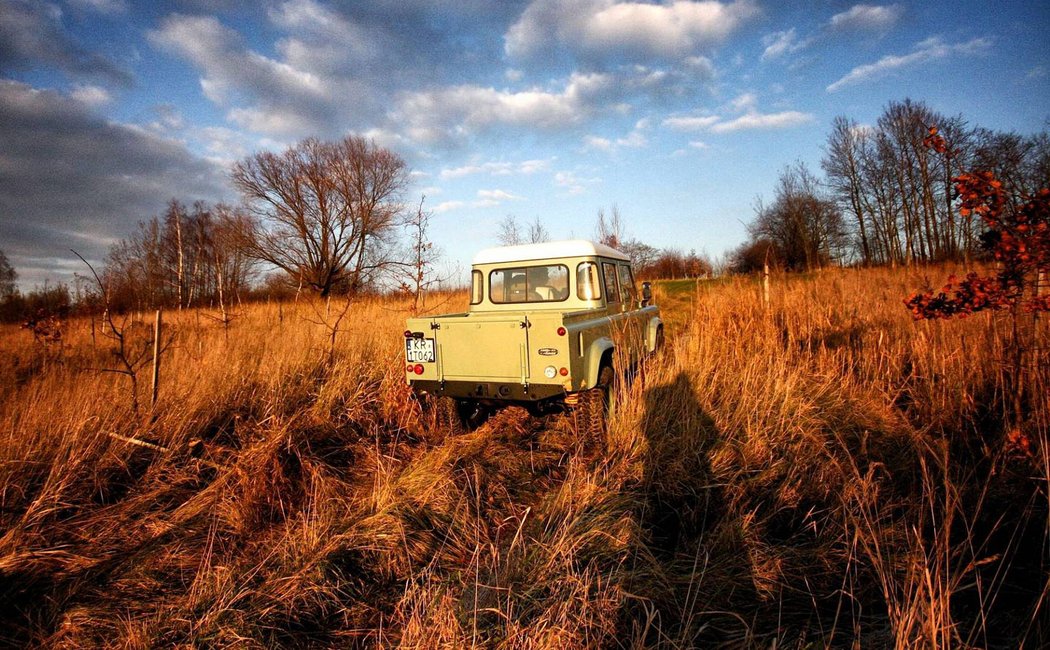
[[599, 353], [655, 325]]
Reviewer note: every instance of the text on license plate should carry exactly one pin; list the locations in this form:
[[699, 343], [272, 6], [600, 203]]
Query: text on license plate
[[419, 350]]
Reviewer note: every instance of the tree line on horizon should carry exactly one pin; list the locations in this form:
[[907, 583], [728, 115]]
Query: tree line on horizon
[[886, 197], [331, 217]]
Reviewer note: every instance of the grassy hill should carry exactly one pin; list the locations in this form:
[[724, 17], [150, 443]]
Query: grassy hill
[[819, 471]]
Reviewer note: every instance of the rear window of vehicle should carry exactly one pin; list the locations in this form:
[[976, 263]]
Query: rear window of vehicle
[[524, 284]]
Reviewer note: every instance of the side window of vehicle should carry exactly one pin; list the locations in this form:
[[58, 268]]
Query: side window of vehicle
[[611, 290], [627, 290], [588, 285], [477, 288]]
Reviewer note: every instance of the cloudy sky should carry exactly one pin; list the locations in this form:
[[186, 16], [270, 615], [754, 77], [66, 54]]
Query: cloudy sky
[[680, 113]]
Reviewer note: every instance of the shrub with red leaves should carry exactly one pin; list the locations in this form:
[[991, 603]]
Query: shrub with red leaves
[[1019, 242]]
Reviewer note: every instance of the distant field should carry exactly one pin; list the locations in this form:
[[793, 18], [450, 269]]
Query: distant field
[[821, 471]]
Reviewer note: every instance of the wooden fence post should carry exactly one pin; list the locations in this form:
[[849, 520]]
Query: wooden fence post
[[765, 284], [156, 359]]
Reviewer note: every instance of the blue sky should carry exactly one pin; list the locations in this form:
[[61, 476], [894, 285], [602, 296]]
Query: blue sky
[[678, 113]]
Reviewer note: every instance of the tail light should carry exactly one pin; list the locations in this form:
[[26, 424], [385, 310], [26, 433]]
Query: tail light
[[564, 372], [561, 331], [418, 369]]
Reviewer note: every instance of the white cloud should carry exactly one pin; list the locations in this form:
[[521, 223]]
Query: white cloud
[[272, 120], [779, 44], [448, 206], [754, 120], [635, 139], [220, 53], [533, 166], [102, 6], [701, 67], [574, 184], [225, 146], [498, 168], [168, 119], [92, 96], [690, 123], [867, 17], [294, 96], [459, 111], [485, 199], [698, 144], [594, 142], [611, 28], [498, 196], [744, 102], [324, 41], [931, 49]]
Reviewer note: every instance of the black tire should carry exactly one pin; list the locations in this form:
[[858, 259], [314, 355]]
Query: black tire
[[447, 415], [595, 407], [658, 345], [471, 414]]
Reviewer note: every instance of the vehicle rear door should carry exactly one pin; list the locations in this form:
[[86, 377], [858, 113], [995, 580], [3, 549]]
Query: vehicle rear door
[[484, 348]]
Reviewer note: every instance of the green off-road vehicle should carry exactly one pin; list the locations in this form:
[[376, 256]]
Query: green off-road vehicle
[[544, 323]]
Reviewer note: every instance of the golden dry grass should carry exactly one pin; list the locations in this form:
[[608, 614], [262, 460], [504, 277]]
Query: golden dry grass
[[820, 472]]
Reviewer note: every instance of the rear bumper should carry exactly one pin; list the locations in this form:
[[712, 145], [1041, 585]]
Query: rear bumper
[[494, 391]]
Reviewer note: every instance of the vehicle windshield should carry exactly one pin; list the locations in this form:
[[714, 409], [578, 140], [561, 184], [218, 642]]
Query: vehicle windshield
[[548, 283]]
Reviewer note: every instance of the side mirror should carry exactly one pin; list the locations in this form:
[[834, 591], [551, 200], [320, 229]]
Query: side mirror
[[647, 293]]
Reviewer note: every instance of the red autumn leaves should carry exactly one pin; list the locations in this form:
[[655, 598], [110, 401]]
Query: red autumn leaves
[[934, 141], [1018, 240]]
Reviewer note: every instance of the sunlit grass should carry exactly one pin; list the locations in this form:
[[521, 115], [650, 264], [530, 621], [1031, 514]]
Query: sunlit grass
[[820, 471]]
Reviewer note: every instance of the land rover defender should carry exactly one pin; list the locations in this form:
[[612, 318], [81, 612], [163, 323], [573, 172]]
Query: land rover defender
[[544, 323]]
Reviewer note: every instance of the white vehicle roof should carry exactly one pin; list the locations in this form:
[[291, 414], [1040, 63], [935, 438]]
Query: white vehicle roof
[[547, 250]]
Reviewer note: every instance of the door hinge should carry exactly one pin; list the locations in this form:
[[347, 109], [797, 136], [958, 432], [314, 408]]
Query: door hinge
[[435, 326]]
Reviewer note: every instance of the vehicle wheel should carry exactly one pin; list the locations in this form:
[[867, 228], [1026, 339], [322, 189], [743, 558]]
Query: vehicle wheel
[[471, 414], [448, 418], [595, 407], [659, 344]]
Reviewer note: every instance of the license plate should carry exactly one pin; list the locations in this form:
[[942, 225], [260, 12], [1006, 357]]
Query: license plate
[[419, 350]]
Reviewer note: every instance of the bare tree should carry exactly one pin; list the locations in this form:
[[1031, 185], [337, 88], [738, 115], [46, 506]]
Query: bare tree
[[538, 233], [180, 260], [804, 225], [8, 278], [610, 230], [174, 250], [509, 231], [323, 208], [842, 165], [229, 260]]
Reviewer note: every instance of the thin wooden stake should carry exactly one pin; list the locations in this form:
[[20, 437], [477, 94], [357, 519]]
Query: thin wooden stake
[[765, 283], [136, 441], [156, 359]]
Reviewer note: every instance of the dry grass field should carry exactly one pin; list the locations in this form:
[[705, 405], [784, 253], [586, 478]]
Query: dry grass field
[[821, 472]]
